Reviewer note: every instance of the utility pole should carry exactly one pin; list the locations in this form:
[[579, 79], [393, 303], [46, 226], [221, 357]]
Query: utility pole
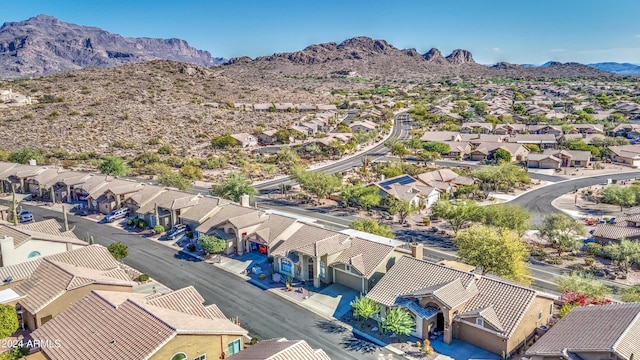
[[14, 209]]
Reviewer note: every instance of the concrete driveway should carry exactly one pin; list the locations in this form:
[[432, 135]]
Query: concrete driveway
[[459, 350], [334, 300], [242, 262]]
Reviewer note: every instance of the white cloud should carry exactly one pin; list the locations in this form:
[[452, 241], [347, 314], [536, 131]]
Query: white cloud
[[557, 50], [496, 49]]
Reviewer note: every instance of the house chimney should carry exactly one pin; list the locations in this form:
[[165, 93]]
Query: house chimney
[[417, 250], [244, 201], [33, 162]]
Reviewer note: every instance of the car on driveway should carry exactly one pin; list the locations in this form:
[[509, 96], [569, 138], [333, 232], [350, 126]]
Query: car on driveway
[[117, 214], [25, 216], [178, 231]]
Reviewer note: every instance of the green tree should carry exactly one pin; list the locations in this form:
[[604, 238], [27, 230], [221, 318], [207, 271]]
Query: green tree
[[118, 250], [233, 187], [398, 149], [399, 322], [191, 172], [562, 231], [631, 294], [624, 253], [480, 108], [428, 156], [113, 165], [503, 156], [434, 146], [146, 158], [364, 308], [8, 320], [361, 195], [212, 244], [458, 214], [507, 217], [502, 176], [23, 156], [372, 226], [287, 158], [283, 136], [403, 208], [582, 284], [318, 183], [223, 141], [619, 195], [172, 179], [496, 251]]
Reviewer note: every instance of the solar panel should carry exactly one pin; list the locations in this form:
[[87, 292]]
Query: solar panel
[[404, 180]]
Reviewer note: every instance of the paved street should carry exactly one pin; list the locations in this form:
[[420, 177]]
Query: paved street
[[264, 314]]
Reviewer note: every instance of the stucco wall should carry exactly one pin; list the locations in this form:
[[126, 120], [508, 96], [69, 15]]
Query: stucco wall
[[530, 322], [11, 255], [196, 345]]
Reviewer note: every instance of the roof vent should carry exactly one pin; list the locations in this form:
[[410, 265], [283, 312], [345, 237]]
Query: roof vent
[[112, 342]]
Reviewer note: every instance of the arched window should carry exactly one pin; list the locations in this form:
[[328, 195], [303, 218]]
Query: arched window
[[179, 356], [33, 254]]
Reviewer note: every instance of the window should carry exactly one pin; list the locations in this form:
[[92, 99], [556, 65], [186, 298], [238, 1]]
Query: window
[[480, 321], [540, 315], [322, 269], [234, 347], [179, 356], [33, 254], [201, 357], [347, 267], [550, 309]]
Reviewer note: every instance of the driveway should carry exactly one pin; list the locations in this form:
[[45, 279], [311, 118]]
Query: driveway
[[459, 350], [334, 300]]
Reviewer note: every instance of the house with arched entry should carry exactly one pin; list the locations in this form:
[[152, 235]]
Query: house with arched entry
[[491, 313]]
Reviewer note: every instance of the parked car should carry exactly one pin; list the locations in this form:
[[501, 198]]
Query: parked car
[[587, 241], [178, 231], [117, 214], [25, 216], [612, 220]]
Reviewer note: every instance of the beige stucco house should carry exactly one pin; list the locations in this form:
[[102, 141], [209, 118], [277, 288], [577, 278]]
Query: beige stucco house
[[625, 154]]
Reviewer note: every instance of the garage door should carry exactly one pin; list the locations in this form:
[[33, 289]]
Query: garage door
[[348, 280]]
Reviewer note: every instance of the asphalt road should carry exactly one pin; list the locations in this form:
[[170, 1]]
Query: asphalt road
[[263, 314], [400, 130], [538, 201]]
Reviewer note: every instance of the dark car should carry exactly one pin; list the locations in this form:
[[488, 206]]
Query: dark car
[[178, 231]]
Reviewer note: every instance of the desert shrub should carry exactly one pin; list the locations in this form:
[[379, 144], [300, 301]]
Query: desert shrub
[[158, 229], [253, 341], [594, 249], [575, 267], [564, 310], [263, 276], [554, 260], [143, 277], [130, 222], [142, 224], [589, 261]]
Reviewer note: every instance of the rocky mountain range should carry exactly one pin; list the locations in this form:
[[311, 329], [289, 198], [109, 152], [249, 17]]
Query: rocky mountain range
[[618, 68], [45, 45], [376, 59]]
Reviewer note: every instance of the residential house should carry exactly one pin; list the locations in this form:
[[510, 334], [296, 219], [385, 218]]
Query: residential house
[[112, 195], [245, 140], [486, 151], [510, 129], [543, 161], [625, 154], [587, 128], [592, 332], [490, 313], [233, 223], [587, 138], [27, 241], [108, 324], [458, 149], [264, 107], [143, 198], [281, 349], [571, 158], [167, 204], [441, 136], [628, 130], [305, 107], [243, 106], [556, 130], [203, 208], [476, 128], [303, 129], [268, 137], [47, 285], [407, 188], [445, 180], [327, 107], [272, 230], [625, 227], [544, 141], [284, 107], [364, 125]]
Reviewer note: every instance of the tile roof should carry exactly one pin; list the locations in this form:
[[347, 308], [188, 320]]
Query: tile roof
[[229, 212], [610, 328], [22, 234], [444, 175], [364, 255], [313, 241], [533, 138], [273, 227], [573, 154], [52, 279], [280, 349], [410, 274], [164, 200], [100, 325], [204, 208], [616, 232], [411, 277], [49, 226], [145, 195], [440, 136], [539, 157], [626, 150]]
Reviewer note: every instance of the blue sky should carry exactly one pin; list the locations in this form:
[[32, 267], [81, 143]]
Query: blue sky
[[517, 31]]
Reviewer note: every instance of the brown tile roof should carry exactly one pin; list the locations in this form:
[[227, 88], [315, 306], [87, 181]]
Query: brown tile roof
[[145, 195], [229, 212], [108, 325], [597, 328], [533, 138], [273, 227], [409, 275], [22, 234], [280, 349], [451, 294], [204, 208], [364, 255], [626, 150], [573, 154], [52, 279], [444, 175], [313, 241], [616, 232], [49, 226], [439, 136], [165, 199]]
